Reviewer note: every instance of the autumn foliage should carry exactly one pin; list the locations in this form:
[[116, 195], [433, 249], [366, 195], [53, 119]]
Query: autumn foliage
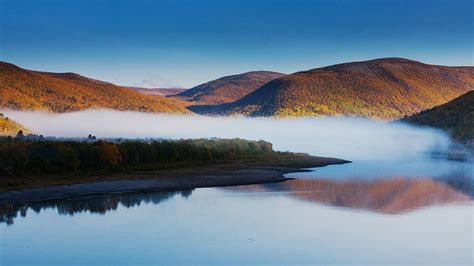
[[227, 89], [9, 127], [456, 117], [22, 89], [383, 89]]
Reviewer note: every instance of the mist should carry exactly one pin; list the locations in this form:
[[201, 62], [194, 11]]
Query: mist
[[347, 138]]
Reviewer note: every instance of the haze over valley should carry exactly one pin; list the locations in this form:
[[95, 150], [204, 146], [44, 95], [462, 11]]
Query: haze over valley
[[328, 136]]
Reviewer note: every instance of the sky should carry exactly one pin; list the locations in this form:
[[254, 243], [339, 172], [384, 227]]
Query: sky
[[183, 43]]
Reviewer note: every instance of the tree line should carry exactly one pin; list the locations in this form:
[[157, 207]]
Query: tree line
[[23, 157]]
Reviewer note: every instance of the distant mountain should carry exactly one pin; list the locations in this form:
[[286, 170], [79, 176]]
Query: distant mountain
[[158, 91], [228, 89], [23, 89], [387, 88], [456, 117], [9, 127]]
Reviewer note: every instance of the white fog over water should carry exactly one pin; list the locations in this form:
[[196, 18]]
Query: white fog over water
[[348, 138]]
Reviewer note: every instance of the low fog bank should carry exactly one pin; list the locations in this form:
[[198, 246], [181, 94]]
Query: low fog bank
[[347, 138]]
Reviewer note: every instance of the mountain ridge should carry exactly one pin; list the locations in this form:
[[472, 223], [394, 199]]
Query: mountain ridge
[[23, 89], [228, 88], [385, 88]]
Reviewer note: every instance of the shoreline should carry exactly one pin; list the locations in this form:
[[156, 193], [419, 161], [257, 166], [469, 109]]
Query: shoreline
[[231, 174], [234, 173]]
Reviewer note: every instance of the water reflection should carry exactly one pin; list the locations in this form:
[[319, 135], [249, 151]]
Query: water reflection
[[389, 195], [95, 205], [389, 188], [461, 182]]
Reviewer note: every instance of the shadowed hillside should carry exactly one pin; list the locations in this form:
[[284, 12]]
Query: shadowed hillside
[[9, 127], [229, 88], [384, 89], [23, 89], [456, 117]]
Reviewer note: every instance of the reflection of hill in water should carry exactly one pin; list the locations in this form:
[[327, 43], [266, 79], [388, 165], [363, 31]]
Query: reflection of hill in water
[[390, 196], [460, 181], [98, 205]]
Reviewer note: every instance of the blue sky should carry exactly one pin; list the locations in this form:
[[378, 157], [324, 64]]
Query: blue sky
[[187, 42]]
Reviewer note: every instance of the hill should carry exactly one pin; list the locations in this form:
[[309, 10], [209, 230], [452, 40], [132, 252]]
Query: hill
[[9, 127], [23, 89], [455, 117], [387, 88], [228, 89], [158, 91]]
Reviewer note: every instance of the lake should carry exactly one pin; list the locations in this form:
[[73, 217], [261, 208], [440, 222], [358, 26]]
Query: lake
[[417, 211]]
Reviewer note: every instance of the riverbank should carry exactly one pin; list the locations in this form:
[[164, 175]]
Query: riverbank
[[260, 170]]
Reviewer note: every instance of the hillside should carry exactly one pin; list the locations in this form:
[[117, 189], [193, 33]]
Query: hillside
[[9, 127], [23, 89], [383, 89], [158, 91], [456, 117], [228, 89]]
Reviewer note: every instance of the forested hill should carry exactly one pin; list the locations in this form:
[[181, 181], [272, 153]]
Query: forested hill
[[22, 89], [455, 117], [228, 89], [387, 88]]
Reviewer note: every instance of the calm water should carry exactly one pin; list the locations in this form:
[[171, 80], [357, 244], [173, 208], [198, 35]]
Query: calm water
[[412, 212]]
